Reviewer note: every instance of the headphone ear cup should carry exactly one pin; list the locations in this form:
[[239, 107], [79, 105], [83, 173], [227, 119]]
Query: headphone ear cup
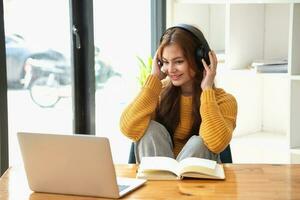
[[206, 57], [199, 56], [202, 53]]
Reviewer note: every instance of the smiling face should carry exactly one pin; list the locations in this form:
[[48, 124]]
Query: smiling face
[[177, 67]]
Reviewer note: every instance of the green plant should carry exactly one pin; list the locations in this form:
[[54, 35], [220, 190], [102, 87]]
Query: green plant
[[145, 69]]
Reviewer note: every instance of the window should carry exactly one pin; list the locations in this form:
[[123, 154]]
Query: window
[[121, 33], [37, 39], [39, 57]]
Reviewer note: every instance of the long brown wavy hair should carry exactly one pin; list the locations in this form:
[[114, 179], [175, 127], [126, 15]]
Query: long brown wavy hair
[[168, 110]]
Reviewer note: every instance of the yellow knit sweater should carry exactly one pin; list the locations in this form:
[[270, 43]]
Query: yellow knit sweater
[[218, 111]]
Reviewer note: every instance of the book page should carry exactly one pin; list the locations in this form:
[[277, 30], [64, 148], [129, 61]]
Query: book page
[[157, 175], [199, 165], [158, 163], [219, 174]]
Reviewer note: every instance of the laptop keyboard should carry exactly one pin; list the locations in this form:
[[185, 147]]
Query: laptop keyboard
[[122, 187]]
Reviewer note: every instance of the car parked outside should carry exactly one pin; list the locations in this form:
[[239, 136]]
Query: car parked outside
[[24, 58], [18, 52]]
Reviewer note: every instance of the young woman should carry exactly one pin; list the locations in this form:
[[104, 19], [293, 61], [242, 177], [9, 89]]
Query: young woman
[[179, 112]]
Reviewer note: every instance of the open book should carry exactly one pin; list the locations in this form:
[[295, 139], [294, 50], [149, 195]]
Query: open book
[[165, 168]]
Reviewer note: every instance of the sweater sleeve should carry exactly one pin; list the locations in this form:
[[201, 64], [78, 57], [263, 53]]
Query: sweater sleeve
[[218, 118], [136, 116]]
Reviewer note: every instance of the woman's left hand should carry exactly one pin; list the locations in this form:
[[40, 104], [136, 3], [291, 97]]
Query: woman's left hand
[[209, 72]]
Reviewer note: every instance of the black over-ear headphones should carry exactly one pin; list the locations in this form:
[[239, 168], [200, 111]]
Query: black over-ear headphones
[[201, 51]]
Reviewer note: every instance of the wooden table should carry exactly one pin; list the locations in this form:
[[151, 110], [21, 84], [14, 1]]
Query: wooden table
[[243, 181]]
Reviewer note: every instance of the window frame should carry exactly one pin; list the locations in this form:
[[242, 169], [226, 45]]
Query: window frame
[[3, 98], [82, 63], [158, 22]]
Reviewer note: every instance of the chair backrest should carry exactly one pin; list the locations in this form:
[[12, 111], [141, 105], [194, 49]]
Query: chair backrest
[[224, 155], [131, 159]]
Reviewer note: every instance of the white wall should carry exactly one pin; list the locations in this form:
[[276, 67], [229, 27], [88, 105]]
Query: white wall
[[275, 103], [195, 14], [210, 19], [276, 31], [216, 37], [246, 87], [245, 35]]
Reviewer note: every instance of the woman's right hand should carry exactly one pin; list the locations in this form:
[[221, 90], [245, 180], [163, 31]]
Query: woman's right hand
[[157, 68]]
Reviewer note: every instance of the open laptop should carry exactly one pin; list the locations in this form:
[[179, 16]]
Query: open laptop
[[72, 164]]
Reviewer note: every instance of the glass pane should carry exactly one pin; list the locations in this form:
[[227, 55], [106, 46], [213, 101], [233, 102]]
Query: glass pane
[[122, 33], [38, 68]]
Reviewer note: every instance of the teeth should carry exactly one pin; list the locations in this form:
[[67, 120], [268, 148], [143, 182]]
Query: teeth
[[175, 77]]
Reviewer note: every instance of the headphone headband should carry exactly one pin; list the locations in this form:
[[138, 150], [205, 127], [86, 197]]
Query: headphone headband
[[194, 31]]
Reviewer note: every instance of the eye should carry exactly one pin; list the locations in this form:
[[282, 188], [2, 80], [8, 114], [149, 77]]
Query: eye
[[178, 62], [165, 62]]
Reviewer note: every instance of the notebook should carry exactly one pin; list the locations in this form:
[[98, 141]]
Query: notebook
[[72, 164]]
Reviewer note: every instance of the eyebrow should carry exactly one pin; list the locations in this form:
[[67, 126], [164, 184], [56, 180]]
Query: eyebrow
[[176, 58]]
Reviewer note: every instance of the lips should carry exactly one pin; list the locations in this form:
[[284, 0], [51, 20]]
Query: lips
[[175, 77]]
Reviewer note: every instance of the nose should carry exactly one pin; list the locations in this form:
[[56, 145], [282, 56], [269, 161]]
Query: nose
[[171, 68]]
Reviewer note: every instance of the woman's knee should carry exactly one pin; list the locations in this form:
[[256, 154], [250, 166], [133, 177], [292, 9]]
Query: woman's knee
[[155, 131], [195, 147], [155, 142], [196, 142]]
